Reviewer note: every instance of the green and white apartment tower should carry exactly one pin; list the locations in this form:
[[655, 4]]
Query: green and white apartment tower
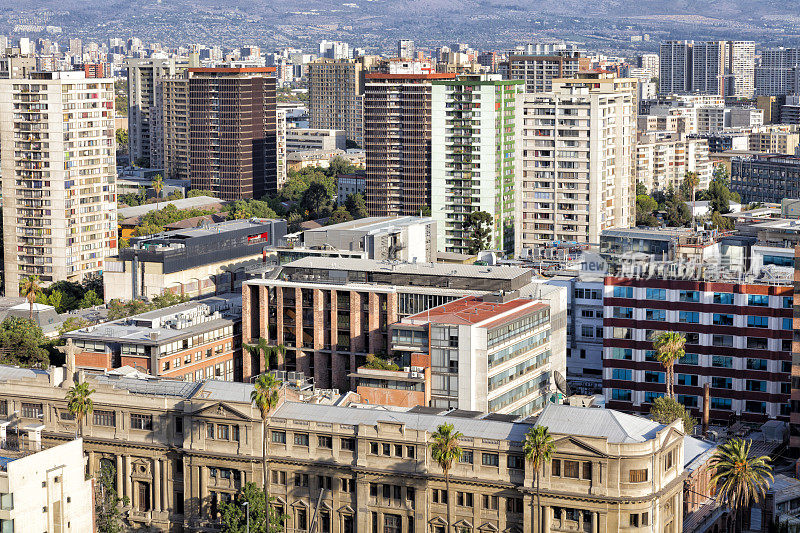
[[475, 158]]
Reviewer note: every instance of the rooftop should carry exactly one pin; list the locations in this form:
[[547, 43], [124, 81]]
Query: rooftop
[[615, 426], [373, 224], [477, 311], [183, 203], [412, 269]]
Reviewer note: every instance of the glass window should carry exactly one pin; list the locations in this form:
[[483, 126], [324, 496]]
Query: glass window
[[722, 361], [656, 294], [689, 359], [621, 373], [650, 396], [721, 383], [622, 312], [720, 403], [572, 469], [139, 421], [689, 380], [761, 300], [655, 314], [757, 321], [755, 385], [623, 395], [756, 364], [622, 353], [722, 340], [725, 298], [786, 323], [755, 407], [689, 296], [638, 475], [689, 317], [490, 459], [623, 292], [723, 319], [757, 343], [651, 376], [466, 457]]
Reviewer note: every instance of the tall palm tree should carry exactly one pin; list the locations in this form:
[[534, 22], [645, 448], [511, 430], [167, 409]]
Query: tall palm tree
[[259, 348], [539, 447], [30, 289], [445, 450], [158, 186], [265, 396], [739, 479], [669, 348], [79, 403]]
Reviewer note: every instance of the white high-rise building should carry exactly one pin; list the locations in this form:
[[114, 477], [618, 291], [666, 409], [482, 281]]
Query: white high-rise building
[[475, 154], [406, 49], [725, 68], [579, 145], [58, 176]]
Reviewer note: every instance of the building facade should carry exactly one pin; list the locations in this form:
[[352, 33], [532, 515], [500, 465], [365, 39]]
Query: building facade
[[725, 68], [233, 131], [738, 340], [303, 139], [662, 161], [336, 97], [475, 154], [180, 449], [169, 144], [578, 161], [142, 76], [58, 177], [777, 73], [540, 63], [397, 140], [765, 178]]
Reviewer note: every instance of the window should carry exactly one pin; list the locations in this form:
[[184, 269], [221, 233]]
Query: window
[[723, 319], [622, 353], [786, 323], [411, 452], [490, 459], [645, 519], [325, 441], [348, 485], [517, 462], [490, 502], [656, 294], [235, 433], [761, 300], [572, 469], [622, 333], [278, 477], [301, 439], [634, 520], [439, 496], [689, 380], [179, 424], [689, 296], [757, 343], [689, 317], [754, 385], [757, 321], [651, 376], [755, 407], [724, 298], [514, 505], [144, 422], [223, 432], [623, 395], [324, 482], [466, 457], [722, 361], [722, 340], [104, 418], [32, 410], [7, 501], [756, 364], [373, 448], [623, 292], [210, 433], [398, 450], [555, 466], [386, 449], [721, 383], [650, 396], [587, 331], [621, 373], [689, 359], [348, 444], [638, 476], [687, 401], [720, 403], [301, 480], [464, 499], [788, 302], [587, 470], [659, 315], [622, 312], [279, 437]]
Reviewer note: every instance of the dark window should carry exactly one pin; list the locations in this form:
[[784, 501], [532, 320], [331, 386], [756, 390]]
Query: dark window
[[587, 470], [410, 452], [104, 418], [301, 439], [638, 476], [516, 462], [556, 467], [325, 441], [32, 410], [572, 469], [348, 444], [178, 424], [144, 422], [490, 459], [279, 437]]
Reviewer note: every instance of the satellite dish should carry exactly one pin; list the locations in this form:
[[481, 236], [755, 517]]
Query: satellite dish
[[561, 383]]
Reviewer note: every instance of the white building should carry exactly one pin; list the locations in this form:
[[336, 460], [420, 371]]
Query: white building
[[578, 160], [304, 139], [475, 126], [663, 159], [58, 176], [45, 491]]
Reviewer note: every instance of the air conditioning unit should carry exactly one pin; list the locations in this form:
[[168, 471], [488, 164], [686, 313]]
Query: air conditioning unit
[[406, 369]]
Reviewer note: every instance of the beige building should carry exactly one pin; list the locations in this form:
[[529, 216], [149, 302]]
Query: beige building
[[181, 448], [579, 146], [663, 159], [776, 140], [336, 96], [43, 490], [169, 145], [58, 176]]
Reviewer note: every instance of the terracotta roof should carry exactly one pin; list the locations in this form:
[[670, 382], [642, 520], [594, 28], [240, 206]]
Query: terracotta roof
[[473, 310]]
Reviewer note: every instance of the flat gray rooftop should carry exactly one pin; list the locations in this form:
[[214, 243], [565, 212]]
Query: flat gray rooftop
[[370, 224], [411, 269]]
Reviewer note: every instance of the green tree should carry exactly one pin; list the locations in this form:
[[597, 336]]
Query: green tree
[[29, 289], [293, 223], [356, 205], [690, 182], [72, 323], [80, 404], [739, 478], [339, 215], [669, 347], [263, 518], [107, 503], [265, 396], [666, 410], [57, 300], [90, 299], [158, 186], [645, 207], [378, 363], [143, 162], [479, 225], [22, 343], [539, 448], [261, 347], [340, 165], [122, 139], [200, 192], [445, 450], [314, 199], [676, 212], [640, 189]]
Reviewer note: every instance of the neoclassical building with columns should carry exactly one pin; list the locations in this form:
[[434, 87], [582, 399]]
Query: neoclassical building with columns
[[180, 448]]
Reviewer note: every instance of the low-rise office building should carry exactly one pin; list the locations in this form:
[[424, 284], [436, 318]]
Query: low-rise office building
[[766, 178], [44, 490], [304, 139], [193, 341], [209, 259], [179, 449]]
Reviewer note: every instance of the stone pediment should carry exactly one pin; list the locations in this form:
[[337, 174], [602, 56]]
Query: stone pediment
[[221, 410], [346, 509], [576, 446], [437, 521], [463, 524], [489, 528]]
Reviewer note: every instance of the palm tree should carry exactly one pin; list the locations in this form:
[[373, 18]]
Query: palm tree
[[539, 448], [265, 396], [669, 348], [158, 186], [30, 289], [261, 346], [739, 479], [79, 403], [445, 450]]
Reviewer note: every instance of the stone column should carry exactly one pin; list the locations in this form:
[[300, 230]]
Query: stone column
[[546, 519], [595, 522], [166, 484], [157, 485], [91, 463], [119, 476], [528, 511], [128, 480], [203, 489]]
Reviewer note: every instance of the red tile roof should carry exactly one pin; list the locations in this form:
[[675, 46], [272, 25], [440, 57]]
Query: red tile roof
[[473, 310]]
